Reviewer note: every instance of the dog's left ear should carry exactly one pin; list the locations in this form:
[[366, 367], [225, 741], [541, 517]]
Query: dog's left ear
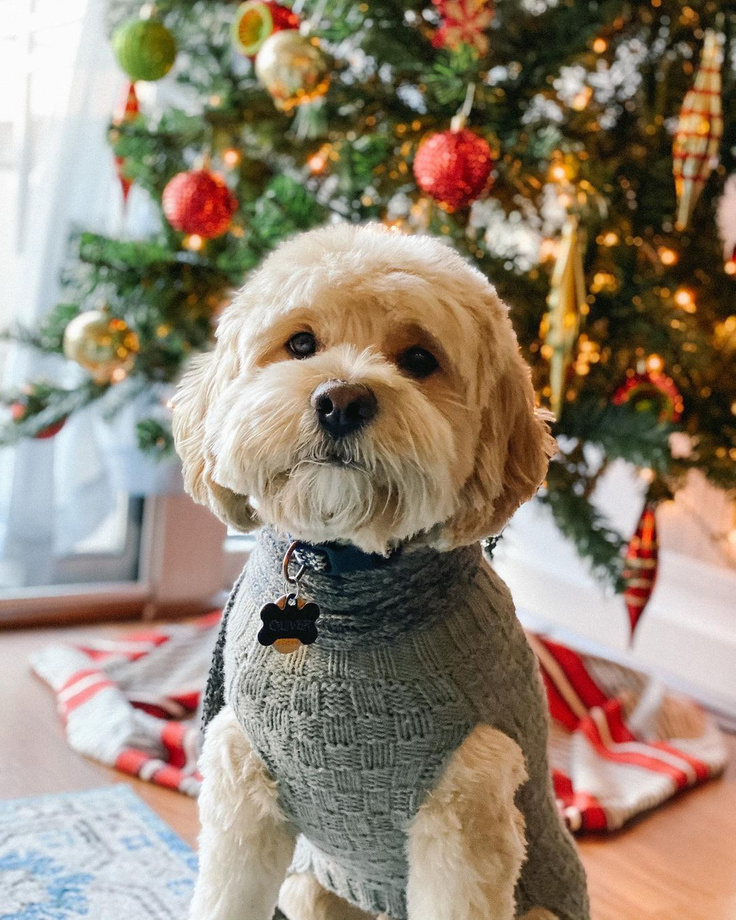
[[513, 449], [203, 381]]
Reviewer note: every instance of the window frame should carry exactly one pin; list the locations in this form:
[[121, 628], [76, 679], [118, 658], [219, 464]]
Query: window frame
[[181, 571]]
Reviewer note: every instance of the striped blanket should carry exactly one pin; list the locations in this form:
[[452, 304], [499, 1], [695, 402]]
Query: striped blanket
[[620, 743]]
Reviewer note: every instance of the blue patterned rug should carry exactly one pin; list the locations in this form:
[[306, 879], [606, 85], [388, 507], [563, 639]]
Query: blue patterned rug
[[100, 854]]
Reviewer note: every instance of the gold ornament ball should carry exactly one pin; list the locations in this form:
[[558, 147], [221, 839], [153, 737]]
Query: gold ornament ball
[[103, 345], [292, 68]]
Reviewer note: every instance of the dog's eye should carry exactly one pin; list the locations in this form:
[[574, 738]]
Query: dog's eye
[[418, 362], [302, 345]]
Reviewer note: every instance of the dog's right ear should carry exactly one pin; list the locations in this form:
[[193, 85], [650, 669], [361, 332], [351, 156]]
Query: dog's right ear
[[200, 386]]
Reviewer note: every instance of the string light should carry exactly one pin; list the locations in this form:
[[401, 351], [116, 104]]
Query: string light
[[730, 267], [318, 161], [603, 281], [600, 45], [194, 242], [608, 239], [588, 353], [558, 173], [684, 299], [655, 364], [667, 256], [580, 100], [231, 157], [548, 250]]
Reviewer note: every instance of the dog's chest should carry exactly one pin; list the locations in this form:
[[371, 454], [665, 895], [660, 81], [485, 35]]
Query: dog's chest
[[354, 737], [357, 728], [355, 740]]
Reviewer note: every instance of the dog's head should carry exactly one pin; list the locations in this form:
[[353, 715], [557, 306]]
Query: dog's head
[[366, 386]]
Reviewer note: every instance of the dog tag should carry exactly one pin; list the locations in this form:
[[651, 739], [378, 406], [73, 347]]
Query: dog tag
[[288, 624]]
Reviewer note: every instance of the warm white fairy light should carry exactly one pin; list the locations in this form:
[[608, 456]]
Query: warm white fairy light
[[685, 300], [231, 157], [655, 364], [194, 242], [667, 256]]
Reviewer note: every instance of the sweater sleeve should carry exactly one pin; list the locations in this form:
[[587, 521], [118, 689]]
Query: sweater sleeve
[[502, 679], [214, 694]]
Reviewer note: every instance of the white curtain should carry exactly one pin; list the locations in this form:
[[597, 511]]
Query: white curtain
[[54, 493]]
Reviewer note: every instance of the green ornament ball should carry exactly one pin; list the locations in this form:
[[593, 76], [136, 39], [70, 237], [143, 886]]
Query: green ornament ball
[[145, 48]]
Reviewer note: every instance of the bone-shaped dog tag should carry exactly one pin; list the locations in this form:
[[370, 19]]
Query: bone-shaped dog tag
[[288, 624]]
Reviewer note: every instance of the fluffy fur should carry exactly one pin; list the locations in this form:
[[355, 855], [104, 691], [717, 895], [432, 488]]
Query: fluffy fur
[[466, 844], [246, 844], [446, 461], [448, 458]]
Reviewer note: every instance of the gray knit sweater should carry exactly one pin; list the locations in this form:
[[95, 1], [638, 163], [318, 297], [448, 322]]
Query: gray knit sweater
[[357, 728]]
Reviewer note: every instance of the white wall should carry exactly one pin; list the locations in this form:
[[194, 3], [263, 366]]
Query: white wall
[[688, 631]]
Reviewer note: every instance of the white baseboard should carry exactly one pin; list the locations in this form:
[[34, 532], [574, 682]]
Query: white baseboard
[[687, 634]]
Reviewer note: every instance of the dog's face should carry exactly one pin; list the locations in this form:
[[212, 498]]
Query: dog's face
[[366, 387]]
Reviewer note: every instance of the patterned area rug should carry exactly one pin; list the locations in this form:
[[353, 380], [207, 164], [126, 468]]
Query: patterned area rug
[[100, 854]]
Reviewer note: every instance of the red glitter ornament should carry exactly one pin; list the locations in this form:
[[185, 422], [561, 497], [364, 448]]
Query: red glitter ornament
[[642, 558], [650, 391], [453, 167], [199, 202]]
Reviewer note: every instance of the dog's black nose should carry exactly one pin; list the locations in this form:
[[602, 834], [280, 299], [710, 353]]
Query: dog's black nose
[[343, 408]]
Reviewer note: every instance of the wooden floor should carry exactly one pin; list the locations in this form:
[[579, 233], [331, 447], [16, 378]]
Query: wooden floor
[[676, 864]]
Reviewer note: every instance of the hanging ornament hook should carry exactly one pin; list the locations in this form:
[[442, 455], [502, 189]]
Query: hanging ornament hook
[[463, 114]]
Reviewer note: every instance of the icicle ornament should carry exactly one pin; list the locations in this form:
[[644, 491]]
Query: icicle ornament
[[565, 305], [642, 558], [699, 130]]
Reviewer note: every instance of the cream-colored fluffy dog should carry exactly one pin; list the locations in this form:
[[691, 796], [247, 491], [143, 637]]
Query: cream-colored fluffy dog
[[367, 389]]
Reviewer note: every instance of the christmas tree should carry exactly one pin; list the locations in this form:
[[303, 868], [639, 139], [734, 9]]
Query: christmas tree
[[574, 151]]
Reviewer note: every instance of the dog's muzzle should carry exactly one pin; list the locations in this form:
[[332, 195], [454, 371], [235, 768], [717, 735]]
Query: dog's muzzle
[[343, 408]]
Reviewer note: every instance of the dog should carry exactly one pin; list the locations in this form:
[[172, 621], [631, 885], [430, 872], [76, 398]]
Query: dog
[[366, 406]]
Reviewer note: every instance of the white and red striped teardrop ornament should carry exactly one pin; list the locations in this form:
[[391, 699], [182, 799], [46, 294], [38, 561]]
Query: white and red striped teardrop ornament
[[699, 130], [127, 110], [640, 570]]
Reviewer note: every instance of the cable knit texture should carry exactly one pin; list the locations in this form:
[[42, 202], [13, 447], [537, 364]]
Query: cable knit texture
[[357, 728]]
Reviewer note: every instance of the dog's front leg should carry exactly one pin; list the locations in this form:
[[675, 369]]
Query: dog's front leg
[[246, 844], [466, 844]]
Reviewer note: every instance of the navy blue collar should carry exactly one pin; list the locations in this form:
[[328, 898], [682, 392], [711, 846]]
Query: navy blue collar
[[339, 558]]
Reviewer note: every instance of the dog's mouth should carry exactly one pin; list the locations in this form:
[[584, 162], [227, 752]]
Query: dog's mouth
[[335, 461], [334, 454]]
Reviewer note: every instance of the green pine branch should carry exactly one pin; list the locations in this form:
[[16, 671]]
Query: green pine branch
[[48, 405], [568, 491]]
